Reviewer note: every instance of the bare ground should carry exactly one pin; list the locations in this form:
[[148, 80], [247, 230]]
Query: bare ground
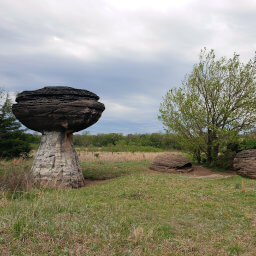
[[90, 182], [203, 172]]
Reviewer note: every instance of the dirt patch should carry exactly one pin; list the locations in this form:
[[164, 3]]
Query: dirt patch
[[90, 182], [203, 172]]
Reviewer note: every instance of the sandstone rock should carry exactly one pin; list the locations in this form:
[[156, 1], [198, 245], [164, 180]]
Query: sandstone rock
[[58, 108], [172, 162], [56, 163], [57, 112], [245, 163]]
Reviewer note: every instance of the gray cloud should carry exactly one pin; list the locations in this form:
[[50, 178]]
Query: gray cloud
[[128, 52]]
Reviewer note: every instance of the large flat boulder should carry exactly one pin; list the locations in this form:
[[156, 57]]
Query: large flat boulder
[[245, 163], [172, 162]]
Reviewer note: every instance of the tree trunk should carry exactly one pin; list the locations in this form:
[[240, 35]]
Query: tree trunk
[[216, 145], [198, 155], [209, 148], [216, 151], [56, 163]]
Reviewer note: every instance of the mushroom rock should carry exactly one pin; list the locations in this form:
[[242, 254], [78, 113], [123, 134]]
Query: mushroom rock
[[57, 112], [171, 162], [245, 163]]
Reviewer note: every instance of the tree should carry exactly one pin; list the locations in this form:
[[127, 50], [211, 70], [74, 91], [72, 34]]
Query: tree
[[13, 141], [215, 103]]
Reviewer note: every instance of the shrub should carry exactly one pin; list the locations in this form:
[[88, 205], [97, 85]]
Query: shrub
[[225, 160]]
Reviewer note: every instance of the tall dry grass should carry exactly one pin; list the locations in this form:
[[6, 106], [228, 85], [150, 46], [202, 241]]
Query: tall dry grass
[[116, 156], [15, 175], [103, 156]]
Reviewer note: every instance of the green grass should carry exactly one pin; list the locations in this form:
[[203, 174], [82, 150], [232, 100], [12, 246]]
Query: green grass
[[109, 170], [138, 214]]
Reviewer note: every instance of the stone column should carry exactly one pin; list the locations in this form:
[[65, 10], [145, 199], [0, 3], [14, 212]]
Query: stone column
[[56, 163]]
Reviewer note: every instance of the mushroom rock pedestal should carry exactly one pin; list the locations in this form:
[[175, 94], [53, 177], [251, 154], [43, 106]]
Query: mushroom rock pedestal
[[56, 163], [57, 112]]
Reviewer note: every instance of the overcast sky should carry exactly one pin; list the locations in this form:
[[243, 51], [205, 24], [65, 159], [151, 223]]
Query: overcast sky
[[129, 52]]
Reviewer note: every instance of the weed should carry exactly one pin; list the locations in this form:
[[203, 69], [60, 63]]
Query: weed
[[18, 226]]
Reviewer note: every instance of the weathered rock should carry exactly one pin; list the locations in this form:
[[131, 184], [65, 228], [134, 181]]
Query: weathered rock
[[57, 112], [56, 163], [245, 163], [58, 108], [172, 162]]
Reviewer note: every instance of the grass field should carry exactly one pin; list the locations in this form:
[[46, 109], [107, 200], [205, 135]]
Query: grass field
[[136, 212], [108, 170]]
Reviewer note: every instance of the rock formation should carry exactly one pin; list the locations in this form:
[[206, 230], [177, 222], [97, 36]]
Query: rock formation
[[245, 163], [57, 112], [171, 162]]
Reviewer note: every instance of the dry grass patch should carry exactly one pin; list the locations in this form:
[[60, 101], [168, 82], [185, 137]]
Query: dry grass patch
[[116, 156], [15, 175]]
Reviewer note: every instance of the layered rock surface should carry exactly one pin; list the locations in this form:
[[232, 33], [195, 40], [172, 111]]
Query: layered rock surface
[[245, 163], [56, 163], [171, 162], [57, 112], [58, 108]]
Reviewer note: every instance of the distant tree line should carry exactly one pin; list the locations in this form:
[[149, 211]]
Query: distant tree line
[[130, 142], [156, 142]]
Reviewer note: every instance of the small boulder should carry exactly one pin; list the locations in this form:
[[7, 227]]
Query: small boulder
[[245, 163], [172, 162]]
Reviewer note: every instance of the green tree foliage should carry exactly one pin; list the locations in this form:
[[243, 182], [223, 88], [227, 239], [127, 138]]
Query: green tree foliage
[[13, 141], [216, 102]]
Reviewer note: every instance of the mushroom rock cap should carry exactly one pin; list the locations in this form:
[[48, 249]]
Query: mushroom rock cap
[[58, 108]]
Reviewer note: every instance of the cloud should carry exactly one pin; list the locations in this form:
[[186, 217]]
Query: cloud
[[117, 111], [128, 52], [135, 108], [92, 30]]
